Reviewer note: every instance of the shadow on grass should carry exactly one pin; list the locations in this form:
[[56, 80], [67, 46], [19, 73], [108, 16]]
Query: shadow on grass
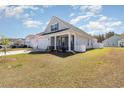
[[59, 54], [90, 49], [93, 49]]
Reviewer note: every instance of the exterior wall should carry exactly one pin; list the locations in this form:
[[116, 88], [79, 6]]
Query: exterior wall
[[34, 43], [121, 43], [84, 41], [28, 42], [43, 43], [54, 21], [112, 41]]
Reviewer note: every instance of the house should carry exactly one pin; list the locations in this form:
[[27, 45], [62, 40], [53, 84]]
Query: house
[[29, 40], [18, 41], [113, 41], [121, 42], [60, 35], [15, 41]]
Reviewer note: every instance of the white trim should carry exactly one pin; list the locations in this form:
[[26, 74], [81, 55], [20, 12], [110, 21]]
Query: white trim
[[69, 42], [74, 42], [55, 42]]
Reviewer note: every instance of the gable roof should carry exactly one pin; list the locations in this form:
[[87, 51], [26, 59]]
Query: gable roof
[[29, 36], [40, 33], [121, 39], [70, 26], [116, 35]]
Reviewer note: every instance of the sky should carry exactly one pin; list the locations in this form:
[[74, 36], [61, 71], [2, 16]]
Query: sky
[[20, 21]]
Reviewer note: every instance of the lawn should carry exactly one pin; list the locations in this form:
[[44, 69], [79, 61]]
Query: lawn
[[95, 68]]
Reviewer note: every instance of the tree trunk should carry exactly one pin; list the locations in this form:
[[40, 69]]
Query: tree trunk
[[5, 50]]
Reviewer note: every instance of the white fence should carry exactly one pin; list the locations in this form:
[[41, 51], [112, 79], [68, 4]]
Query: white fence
[[98, 45]]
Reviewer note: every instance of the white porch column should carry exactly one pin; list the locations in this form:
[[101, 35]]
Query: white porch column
[[75, 42], [55, 43], [69, 42]]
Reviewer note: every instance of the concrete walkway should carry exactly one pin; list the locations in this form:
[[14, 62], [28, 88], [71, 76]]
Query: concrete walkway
[[15, 52]]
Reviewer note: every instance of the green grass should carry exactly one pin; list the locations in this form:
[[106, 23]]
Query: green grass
[[18, 65], [95, 68], [100, 62]]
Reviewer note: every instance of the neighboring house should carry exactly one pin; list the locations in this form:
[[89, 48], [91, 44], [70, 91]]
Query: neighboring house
[[15, 41], [18, 41], [60, 35], [29, 40], [112, 41]]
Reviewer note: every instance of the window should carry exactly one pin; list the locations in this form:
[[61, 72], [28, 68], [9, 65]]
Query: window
[[55, 27], [88, 43], [91, 43]]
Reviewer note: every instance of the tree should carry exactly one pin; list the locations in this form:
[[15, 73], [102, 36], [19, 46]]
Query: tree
[[5, 42], [109, 34], [102, 37], [99, 37], [122, 35]]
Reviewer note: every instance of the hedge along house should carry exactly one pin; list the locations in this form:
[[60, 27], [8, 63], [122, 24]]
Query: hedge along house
[[60, 35]]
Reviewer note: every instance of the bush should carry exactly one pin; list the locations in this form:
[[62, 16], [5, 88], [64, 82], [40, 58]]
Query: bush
[[63, 49], [25, 46], [13, 46], [0, 47]]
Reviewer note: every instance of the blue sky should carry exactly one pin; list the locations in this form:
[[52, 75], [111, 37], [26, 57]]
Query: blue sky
[[20, 21]]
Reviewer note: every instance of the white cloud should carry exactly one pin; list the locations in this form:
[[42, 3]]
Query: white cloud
[[96, 26], [16, 11], [26, 15], [47, 22], [72, 14], [94, 21], [103, 18], [102, 25], [114, 24], [32, 23], [86, 12], [78, 18], [91, 9], [47, 6], [23, 13], [13, 11], [75, 6]]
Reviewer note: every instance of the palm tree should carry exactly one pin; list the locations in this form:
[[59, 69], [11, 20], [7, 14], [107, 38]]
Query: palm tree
[[5, 42]]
